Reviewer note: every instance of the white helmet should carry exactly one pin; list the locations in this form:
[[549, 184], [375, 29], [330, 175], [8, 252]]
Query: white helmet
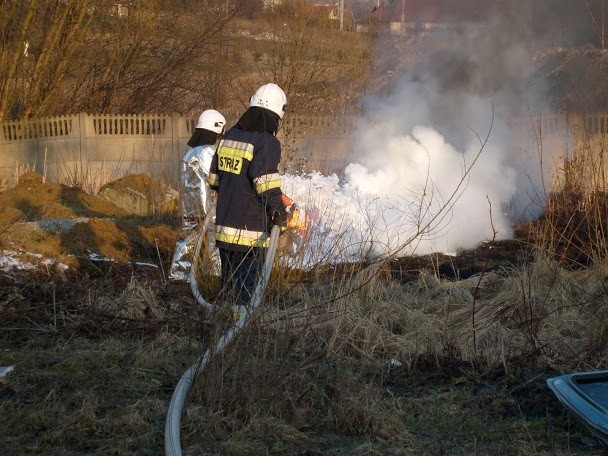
[[271, 97], [211, 120]]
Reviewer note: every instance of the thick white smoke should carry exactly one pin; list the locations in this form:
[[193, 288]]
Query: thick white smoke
[[436, 165], [430, 172], [423, 196]]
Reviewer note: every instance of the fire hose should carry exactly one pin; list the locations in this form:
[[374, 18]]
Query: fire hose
[[195, 259], [173, 421]]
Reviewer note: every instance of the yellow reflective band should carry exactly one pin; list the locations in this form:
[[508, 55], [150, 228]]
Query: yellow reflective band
[[246, 148], [267, 186], [240, 236], [266, 182], [240, 232], [234, 153], [213, 180], [239, 240]]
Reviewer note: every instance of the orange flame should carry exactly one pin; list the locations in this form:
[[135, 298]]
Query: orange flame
[[297, 218], [297, 221]]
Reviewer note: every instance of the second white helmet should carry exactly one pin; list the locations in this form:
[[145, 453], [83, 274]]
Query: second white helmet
[[271, 97], [211, 120]]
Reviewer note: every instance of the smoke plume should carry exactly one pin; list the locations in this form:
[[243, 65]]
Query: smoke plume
[[437, 164]]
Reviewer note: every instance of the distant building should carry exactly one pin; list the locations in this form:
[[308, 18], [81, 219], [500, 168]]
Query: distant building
[[271, 4], [318, 10], [400, 16]]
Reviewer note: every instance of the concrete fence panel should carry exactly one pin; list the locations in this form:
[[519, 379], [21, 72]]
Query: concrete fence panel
[[77, 147], [101, 147], [131, 144], [41, 145], [69, 148]]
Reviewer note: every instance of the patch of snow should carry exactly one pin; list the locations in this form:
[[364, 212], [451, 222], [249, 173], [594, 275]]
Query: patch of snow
[[10, 261], [96, 257], [22, 261], [4, 370]]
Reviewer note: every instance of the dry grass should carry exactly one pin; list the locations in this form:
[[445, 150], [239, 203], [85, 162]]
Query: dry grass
[[88, 180], [388, 369], [339, 360], [394, 364]]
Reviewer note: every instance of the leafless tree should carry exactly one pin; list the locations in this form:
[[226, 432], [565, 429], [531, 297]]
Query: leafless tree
[[321, 68], [69, 55], [65, 56]]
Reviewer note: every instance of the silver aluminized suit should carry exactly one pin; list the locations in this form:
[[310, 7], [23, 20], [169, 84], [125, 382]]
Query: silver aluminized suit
[[194, 198], [194, 203]]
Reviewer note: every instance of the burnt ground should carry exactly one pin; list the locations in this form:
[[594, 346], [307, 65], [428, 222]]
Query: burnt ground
[[485, 257]]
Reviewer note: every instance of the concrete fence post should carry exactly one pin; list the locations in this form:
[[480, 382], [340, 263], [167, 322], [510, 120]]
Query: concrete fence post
[[176, 121], [82, 134]]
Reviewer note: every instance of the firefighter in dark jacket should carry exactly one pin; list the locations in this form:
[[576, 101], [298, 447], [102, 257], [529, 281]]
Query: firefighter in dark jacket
[[244, 172]]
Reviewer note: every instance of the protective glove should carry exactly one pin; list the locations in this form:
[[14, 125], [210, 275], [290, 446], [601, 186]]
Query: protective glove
[[281, 219]]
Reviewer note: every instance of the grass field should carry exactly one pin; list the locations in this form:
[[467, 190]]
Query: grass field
[[355, 360]]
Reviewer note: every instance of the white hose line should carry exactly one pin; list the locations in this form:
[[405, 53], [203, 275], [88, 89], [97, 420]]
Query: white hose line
[[174, 414], [194, 263]]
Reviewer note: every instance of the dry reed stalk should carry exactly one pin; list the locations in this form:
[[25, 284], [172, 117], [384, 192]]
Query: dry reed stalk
[[137, 301]]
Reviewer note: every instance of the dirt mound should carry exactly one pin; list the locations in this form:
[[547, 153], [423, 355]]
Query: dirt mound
[[32, 200], [69, 226], [140, 194]]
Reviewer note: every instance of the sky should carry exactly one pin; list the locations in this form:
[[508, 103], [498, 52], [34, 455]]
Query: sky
[[435, 165]]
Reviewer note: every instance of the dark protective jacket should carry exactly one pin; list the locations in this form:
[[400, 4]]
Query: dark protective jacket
[[244, 172]]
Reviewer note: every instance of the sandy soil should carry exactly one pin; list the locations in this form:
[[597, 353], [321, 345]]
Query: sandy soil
[[71, 227]]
